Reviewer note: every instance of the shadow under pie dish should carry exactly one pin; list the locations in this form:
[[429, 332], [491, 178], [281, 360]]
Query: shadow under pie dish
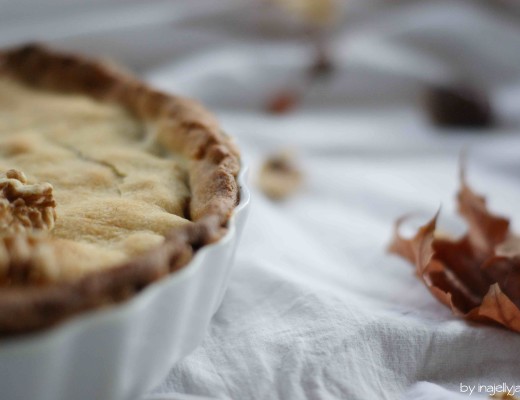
[[106, 186]]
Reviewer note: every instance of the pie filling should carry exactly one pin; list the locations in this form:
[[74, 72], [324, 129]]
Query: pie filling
[[82, 180]]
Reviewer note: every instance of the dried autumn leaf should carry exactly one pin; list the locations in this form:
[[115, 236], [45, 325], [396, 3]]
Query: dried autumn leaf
[[459, 107], [313, 12], [283, 102], [319, 16], [504, 396], [478, 275]]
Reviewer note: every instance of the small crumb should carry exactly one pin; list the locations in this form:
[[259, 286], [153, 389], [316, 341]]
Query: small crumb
[[459, 107], [280, 177]]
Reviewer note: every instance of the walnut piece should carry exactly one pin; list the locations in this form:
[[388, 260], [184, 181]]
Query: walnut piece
[[23, 206], [27, 212], [280, 177]]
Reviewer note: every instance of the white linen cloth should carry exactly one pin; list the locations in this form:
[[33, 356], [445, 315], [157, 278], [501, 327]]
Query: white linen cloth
[[316, 308]]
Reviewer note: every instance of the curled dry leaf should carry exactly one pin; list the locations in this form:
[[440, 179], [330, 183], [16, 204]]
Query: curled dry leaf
[[318, 16], [280, 177], [316, 13], [289, 99], [504, 396], [459, 107], [477, 275], [283, 102]]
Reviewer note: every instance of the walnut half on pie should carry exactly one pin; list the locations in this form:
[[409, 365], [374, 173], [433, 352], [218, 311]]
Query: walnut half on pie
[[106, 185]]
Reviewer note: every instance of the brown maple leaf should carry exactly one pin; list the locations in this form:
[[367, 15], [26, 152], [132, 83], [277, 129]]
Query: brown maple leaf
[[283, 102], [477, 275], [459, 106], [504, 396]]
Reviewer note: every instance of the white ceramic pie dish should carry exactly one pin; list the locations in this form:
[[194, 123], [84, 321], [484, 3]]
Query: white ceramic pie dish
[[121, 352]]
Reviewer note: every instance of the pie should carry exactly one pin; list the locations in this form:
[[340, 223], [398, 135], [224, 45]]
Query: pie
[[106, 185]]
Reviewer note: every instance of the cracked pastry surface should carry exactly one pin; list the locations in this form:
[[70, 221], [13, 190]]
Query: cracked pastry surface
[[115, 196]]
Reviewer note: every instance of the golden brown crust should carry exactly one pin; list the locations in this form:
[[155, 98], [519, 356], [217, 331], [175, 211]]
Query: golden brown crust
[[181, 126]]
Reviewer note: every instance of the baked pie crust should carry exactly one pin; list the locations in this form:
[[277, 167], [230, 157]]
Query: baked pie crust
[[124, 184]]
